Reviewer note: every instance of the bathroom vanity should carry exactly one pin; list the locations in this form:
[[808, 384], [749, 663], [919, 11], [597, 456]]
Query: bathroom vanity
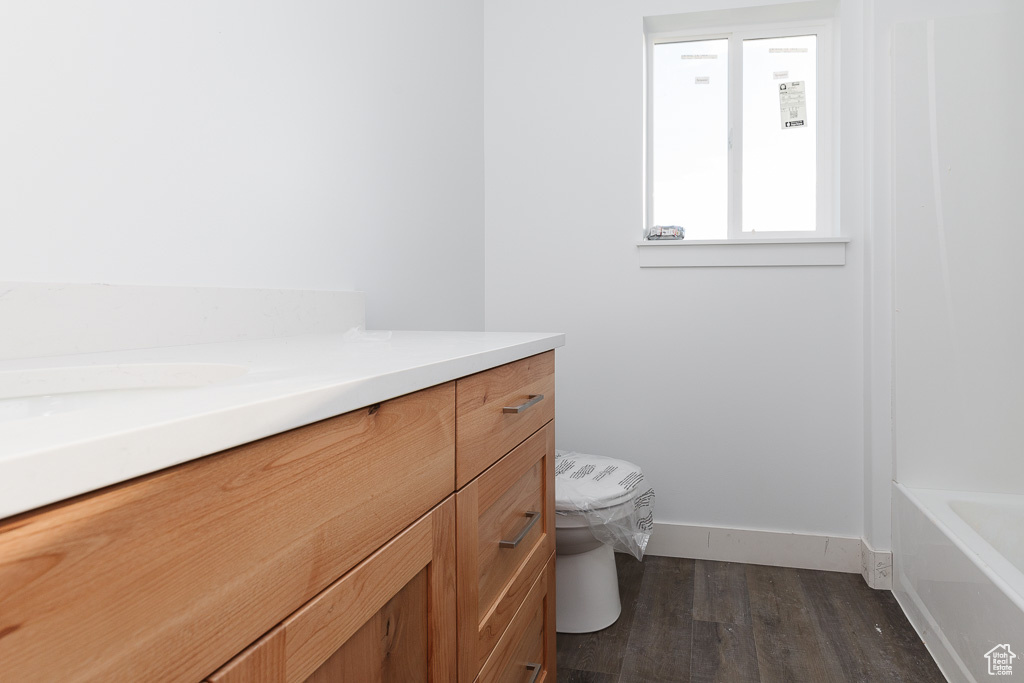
[[407, 539]]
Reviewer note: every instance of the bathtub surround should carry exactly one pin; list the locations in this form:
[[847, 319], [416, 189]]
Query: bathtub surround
[[958, 403], [959, 328], [960, 574]]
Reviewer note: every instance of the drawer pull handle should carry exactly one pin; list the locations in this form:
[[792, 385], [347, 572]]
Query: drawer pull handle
[[535, 668], [533, 516], [534, 399]]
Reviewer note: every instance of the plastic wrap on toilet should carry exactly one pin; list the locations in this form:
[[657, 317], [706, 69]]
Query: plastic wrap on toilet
[[610, 494]]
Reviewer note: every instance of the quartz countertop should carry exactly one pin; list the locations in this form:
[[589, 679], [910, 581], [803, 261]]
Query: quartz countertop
[[71, 441]]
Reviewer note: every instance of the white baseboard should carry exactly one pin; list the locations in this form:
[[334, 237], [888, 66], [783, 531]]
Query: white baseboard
[[876, 566], [779, 549]]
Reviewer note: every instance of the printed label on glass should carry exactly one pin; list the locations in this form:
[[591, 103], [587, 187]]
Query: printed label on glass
[[793, 103]]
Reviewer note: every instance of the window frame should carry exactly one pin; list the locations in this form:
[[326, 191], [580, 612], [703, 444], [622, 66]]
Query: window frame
[[826, 223]]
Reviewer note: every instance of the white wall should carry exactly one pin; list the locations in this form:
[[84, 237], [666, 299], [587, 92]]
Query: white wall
[[339, 145], [957, 165], [739, 390], [311, 145]]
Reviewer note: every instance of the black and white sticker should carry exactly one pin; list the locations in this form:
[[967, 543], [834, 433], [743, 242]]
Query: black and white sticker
[[793, 104]]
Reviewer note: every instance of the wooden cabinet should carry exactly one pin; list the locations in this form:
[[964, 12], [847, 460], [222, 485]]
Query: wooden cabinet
[[506, 534], [206, 557], [505, 511], [526, 651], [389, 620], [498, 409], [359, 548]]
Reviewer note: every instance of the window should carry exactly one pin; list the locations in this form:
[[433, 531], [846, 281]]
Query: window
[[739, 133]]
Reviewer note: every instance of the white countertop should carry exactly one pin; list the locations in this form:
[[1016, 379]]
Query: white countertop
[[60, 445]]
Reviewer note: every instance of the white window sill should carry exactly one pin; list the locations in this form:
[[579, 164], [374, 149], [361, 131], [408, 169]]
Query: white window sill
[[788, 251]]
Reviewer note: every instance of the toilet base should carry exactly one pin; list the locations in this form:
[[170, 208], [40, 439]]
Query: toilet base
[[586, 591]]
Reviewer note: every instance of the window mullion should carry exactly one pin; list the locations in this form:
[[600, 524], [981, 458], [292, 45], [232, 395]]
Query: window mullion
[[735, 136], [648, 218], [824, 156]]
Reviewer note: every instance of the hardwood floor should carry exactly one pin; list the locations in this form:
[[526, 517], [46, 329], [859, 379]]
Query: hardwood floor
[[700, 622]]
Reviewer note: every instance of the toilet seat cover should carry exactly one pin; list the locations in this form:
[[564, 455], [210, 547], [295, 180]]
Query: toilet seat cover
[[589, 482]]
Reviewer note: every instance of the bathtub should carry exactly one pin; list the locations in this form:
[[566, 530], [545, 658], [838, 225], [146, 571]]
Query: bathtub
[[959, 576]]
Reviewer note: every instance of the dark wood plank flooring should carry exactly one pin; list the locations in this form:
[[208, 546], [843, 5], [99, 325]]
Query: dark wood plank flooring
[[700, 622]]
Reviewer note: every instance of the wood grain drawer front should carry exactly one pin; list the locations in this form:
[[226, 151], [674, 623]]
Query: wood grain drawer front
[[485, 430], [389, 620], [506, 532], [166, 577], [526, 651]]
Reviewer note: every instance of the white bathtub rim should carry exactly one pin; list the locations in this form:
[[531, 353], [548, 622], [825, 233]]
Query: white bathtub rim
[[995, 567]]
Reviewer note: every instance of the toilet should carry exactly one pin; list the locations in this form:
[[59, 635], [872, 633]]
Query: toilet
[[596, 513]]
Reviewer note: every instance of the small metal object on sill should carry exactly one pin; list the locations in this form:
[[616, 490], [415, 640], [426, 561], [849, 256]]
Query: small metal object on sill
[[666, 232]]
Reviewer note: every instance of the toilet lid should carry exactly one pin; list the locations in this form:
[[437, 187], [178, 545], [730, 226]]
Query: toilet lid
[[591, 482]]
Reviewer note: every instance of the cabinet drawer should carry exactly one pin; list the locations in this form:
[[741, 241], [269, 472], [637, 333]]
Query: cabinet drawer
[[487, 425], [526, 651], [506, 533], [391, 619], [168, 576]]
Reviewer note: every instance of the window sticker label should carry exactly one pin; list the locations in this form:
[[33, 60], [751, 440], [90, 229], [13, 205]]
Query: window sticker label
[[793, 103], [780, 75], [702, 80], [698, 57]]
